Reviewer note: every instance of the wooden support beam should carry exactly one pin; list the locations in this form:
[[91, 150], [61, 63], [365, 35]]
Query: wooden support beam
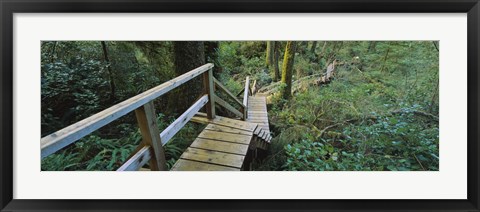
[[174, 127], [209, 90], [139, 159], [147, 122], [227, 106], [60, 139], [225, 90]]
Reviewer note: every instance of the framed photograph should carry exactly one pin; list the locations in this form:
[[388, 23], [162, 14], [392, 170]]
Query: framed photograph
[[254, 106]]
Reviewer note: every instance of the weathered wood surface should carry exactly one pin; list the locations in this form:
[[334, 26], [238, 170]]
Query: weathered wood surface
[[246, 91], [147, 122], [225, 136], [138, 160], [218, 84], [221, 146], [228, 106], [213, 157], [57, 140], [232, 130], [219, 120], [209, 90], [233, 148], [257, 111], [189, 165], [183, 119]]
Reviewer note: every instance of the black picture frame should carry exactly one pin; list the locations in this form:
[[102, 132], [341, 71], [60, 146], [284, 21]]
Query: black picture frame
[[9, 7]]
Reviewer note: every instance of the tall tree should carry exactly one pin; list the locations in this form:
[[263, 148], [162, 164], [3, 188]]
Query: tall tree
[[287, 69], [188, 56], [110, 72], [211, 56], [371, 46], [314, 46], [269, 54], [275, 61]]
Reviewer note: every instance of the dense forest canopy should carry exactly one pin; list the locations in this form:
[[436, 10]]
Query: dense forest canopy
[[333, 105]]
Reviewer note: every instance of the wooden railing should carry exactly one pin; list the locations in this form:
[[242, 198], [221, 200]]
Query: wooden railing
[[151, 150], [243, 111]]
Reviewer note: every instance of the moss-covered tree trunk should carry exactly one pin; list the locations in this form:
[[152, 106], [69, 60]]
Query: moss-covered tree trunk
[[371, 46], [211, 56], [269, 54], [188, 56], [314, 46], [276, 74], [287, 69], [110, 72]]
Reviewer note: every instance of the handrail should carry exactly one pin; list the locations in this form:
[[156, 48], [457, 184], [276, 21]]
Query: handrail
[[218, 84], [174, 127], [57, 140], [229, 107], [245, 94], [226, 105], [140, 158]]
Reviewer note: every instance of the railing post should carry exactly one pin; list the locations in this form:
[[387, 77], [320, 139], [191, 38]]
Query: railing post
[[245, 96], [208, 89], [147, 122]]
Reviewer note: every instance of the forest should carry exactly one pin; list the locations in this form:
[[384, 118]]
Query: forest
[[332, 105]]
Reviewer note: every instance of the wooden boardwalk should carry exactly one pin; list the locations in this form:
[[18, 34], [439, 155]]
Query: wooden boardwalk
[[257, 112], [221, 146], [224, 143]]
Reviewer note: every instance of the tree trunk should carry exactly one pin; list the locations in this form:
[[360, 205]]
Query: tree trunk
[[269, 54], [371, 46], [54, 51], [211, 56], [110, 72], [287, 68], [314, 46], [188, 56], [322, 53], [275, 61]]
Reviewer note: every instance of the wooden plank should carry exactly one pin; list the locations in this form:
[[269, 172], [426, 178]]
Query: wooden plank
[[147, 122], [234, 148], [227, 137], [138, 160], [178, 124], [258, 112], [227, 106], [219, 120], [261, 134], [208, 89], [258, 119], [225, 90], [188, 165], [57, 140], [232, 130], [265, 135], [255, 111], [257, 130], [257, 108], [214, 157]]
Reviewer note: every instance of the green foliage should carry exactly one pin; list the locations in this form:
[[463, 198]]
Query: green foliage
[[365, 119], [402, 142], [368, 118]]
